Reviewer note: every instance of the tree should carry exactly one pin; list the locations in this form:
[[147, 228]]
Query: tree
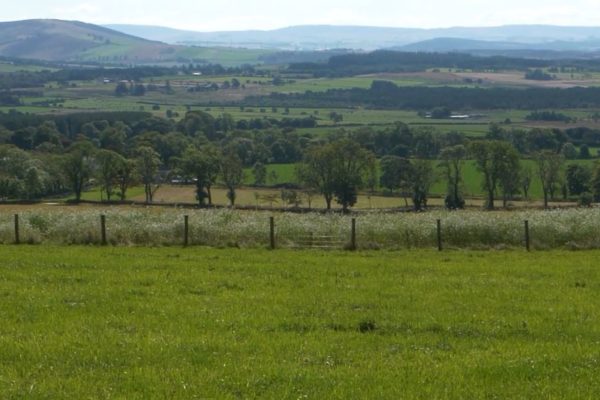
[[121, 89], [317, 172], [496, 161], [578, 179], [259, 170], [336, 170], [396, 174], [549, 164], [232, 173], [525, 179], [422, 176], [33, 184], [291, 197], [509, 175], [108, 163], [77, 167], [125, 176], [148, 164], [569, 151], [14, 163], [353, 165], [335, 117], [453, 160], [441, 112], [200, 166]]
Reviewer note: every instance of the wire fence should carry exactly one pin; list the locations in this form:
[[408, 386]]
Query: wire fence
[[571, 228]]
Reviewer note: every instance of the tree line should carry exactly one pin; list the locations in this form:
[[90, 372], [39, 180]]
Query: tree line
[[381, 61], [387, 95], [340, 169], [187, 149]]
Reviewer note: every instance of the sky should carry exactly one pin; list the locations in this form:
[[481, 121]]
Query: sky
[[218, 15]]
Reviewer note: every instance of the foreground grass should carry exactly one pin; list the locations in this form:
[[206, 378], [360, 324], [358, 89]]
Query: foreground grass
[[84, 322]]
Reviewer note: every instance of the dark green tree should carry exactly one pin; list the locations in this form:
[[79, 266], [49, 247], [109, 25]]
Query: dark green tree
[[453, 160], [549, 164], [578, 179], [108, 163], [495, 160], [148, 164], [232, 173], [259, 170], [77, 167], [422, 177]]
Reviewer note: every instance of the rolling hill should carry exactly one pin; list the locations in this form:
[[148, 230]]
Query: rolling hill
[[57, 40], [319, 37]]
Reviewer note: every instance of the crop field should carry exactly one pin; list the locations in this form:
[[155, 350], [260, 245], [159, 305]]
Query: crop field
[[159, 226], [84, 322]]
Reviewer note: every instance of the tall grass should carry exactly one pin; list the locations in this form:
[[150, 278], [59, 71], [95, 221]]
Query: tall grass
[[573, 228]]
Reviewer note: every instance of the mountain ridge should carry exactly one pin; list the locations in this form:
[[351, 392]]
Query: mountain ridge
[[319, 37]]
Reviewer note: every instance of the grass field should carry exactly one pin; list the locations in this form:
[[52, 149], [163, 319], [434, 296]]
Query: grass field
[[82, 322]]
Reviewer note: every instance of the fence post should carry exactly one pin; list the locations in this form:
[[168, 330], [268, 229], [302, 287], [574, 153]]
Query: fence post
[[103, 229], [353, 236], [17, 236], [186, 230], [272, 232], [527, 235], [439, 235]]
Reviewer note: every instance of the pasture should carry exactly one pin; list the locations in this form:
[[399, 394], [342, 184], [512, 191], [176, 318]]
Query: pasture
[[84, 322]]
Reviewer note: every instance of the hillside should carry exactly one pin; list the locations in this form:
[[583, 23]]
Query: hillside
[[57, 40]]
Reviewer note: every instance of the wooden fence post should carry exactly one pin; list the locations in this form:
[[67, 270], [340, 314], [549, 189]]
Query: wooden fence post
[[103, 229], [527, 235], [272, 232], [353, 235], [17, 236], [186, 230], [439, 235]]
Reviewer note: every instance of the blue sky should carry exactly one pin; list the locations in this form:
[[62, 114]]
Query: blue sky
[[213, 15]]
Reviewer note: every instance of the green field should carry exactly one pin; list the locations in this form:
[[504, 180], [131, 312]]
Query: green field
[[84, 322]]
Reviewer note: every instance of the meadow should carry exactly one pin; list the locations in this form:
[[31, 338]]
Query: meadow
[[160, 226], [85, 322]]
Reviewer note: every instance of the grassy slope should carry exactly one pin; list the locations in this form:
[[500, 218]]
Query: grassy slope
[[81, 322], [70, 40]]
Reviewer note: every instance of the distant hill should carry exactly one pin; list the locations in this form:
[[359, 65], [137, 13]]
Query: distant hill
[[320, 37], [57, 40], [462, 45], [476, 46]]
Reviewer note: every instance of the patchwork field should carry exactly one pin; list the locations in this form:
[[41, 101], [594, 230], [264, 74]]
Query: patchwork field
[[84, 322]]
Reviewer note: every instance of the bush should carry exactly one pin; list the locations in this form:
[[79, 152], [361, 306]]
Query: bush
[[586, 199]]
